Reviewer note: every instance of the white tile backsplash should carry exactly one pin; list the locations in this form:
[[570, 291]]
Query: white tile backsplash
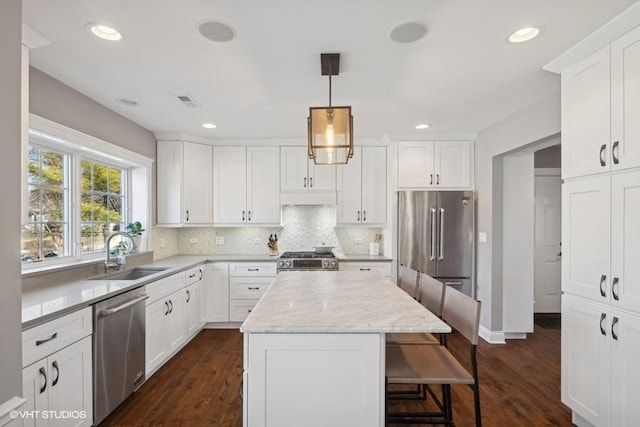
[[303, 227]]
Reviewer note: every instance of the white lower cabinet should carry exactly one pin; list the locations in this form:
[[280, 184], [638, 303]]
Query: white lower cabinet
[[381, 267], [192, 309], [247, 282], [61, 382], [216, 292], [600, 350]]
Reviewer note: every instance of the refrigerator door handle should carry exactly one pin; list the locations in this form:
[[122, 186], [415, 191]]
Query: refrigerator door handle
[[441, 236], [433, 234]]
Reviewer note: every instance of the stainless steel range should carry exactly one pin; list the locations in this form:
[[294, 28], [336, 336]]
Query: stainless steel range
[[307, 261]]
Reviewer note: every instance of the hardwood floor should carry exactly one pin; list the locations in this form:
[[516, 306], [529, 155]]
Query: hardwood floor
[[519, 385]]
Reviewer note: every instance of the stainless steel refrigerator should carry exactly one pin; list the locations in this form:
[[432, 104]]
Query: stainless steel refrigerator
[[435, 235]]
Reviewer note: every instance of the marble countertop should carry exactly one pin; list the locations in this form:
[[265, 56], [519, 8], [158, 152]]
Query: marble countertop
[[338, 302], [45, 303]]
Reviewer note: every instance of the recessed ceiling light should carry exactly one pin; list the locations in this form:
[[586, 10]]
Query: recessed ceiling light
[[216, 31], [422, 126], [104, 31], [209, 125], [408, 32], [524, 34], [128, 102]]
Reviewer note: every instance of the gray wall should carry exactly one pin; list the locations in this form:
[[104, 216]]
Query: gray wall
[[53, 100], [10, 300], [533, 123], [548, 157]]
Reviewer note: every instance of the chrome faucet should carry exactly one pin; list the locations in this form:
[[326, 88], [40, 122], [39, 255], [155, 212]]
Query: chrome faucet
[[119, 263]]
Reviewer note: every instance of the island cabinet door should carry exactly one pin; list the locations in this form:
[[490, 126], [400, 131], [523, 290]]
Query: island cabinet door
[[314, 380]]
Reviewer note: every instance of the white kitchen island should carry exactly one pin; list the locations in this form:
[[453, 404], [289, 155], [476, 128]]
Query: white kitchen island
[[314, 348]]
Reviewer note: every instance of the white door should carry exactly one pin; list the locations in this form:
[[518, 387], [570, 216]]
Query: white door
[[625, 100], [174, 322], [452, 164], [263, 185], [216, 292], [230, 185], [625, 240], [294, 168], [155, 340], [198, 185], [35, 388], [374, 185], [322, 177], [70, 382], [415, 165], [548, 248], [586, 237], [625, 369], [350, 180], [169, 182], [586, 129], [586, 366]]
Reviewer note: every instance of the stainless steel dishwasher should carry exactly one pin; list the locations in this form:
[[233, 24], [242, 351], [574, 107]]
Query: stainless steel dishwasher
[[118, 350]]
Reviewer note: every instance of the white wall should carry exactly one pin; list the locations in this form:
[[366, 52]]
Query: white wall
[[10, 128], [535, 122], [518, 242]]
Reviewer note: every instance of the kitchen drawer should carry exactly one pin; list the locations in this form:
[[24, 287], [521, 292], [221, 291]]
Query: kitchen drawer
[[252, 269], [193, 275], [43, 340], [164, 287], [380, 267], [248, 287], [240, 309]]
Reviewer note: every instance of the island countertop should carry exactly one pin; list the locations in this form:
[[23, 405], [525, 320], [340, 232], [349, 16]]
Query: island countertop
[[338, 302]]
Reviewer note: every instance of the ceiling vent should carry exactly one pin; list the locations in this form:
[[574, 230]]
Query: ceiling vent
[[188, 101]]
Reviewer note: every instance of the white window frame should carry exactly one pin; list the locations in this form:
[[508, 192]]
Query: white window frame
[[82, 146]]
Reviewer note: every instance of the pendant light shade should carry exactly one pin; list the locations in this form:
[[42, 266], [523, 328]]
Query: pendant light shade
[[330, 128]]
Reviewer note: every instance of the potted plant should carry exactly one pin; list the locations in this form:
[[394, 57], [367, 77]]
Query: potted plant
[[135, 231]]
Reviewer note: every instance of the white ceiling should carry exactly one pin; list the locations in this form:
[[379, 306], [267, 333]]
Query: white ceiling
[[462, 77]]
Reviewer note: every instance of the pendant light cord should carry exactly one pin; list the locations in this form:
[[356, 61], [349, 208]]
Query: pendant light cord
[[330, 71]]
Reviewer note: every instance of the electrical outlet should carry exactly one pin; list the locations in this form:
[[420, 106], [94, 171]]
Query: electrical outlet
[[219, 240], [358, 240], [163, 242], [257, 241], [482, 237], [193, 240]]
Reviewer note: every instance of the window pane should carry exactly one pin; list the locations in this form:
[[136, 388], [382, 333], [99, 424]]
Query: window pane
[[33, 176], [34, 204], [85, 175], [30, 243], [53, 239], [52, 168], [53, 203]]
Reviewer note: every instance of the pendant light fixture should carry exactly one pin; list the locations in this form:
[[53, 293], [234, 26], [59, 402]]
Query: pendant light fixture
[[330, 128]]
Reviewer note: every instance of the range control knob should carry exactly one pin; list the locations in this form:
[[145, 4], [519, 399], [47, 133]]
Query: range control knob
[[281, 263], [288, 264], [334, 263], [325, 263]]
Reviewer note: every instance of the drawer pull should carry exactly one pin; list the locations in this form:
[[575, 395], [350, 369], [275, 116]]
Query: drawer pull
[[458, 283], [191, 276], [254, 288], [40, 342], [44, 386], [249, 311], [253, 269], [365, 269], [55, 366]]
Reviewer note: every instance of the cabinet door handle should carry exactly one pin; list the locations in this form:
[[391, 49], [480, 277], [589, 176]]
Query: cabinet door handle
[[358, 216], [44, 374], [55, 366], [305, 182], [614, 322], [614, 288], [201, 274], [171, 305], [40, 342], [602, 148], [243, 215], [188, 295], [602, 331], [311, 181], [614, 152], [603, 278], [430, 179], [187, 214], [254, 288], [167, 304], [364, 215], [437, 179], [249, 217]]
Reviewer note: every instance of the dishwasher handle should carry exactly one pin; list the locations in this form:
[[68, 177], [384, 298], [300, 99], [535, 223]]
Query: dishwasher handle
[[121, 307]]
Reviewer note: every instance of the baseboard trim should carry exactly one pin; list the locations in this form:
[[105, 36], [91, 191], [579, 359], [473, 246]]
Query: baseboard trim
[[10, 405], [222, 325], [492, 337], [515, 336]]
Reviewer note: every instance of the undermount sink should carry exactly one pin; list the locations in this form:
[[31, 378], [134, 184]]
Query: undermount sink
[[132, 274]]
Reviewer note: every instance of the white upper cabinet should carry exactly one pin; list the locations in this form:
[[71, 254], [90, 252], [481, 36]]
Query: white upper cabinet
[[600, 107], [441, 164], [586, 127], [625, 101], [246, 185], [298, 172], [184, 183], [362, 188]]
